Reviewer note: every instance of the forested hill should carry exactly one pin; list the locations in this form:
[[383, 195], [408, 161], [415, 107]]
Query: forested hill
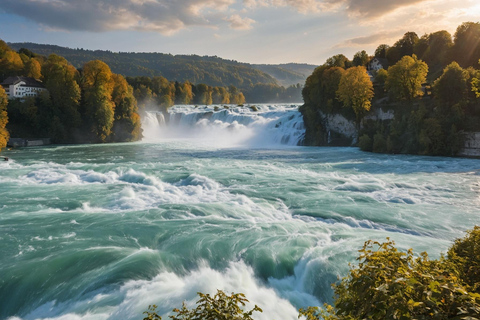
[[287, 74], [213, 71]]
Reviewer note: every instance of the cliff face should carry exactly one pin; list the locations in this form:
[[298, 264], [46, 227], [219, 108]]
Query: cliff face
[[472, 145], [328, 129]]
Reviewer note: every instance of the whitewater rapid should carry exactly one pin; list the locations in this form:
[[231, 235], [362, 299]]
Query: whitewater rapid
[[103, 231], [230, 126]]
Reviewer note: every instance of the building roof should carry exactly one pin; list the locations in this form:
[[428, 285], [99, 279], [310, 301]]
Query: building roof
[[29, 82]]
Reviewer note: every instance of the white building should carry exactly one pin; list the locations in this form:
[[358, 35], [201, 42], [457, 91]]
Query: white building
[[22, 87], [376, 64]]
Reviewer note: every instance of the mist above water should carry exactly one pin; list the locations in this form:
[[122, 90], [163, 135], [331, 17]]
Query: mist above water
[[228, 126]]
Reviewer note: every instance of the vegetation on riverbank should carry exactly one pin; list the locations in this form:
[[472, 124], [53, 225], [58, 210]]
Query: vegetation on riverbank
[[386, 284], [79, 106], [431, 85]]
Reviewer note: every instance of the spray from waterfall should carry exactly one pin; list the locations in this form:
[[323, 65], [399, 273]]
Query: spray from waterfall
[[228, 126]]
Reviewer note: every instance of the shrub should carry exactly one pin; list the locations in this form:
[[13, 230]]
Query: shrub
[[365, 143], [219, 307]]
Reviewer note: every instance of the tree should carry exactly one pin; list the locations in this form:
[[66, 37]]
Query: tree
[[60, 79], [97, 84], [356, 90], [33, 69], [203, 94], [451, 87], [126, 126], [338, 60], [465, 253], [360, 58], [381, 51], [391, 284], [466, 48], [405, 78], [4, 135], [10, 64]]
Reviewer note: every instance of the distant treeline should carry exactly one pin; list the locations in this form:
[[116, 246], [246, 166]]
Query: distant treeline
[[159, 93], [432, 84], [213, 71], [88, 105]]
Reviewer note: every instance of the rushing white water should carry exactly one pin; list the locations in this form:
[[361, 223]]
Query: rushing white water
[[102, 231], [228, 126]]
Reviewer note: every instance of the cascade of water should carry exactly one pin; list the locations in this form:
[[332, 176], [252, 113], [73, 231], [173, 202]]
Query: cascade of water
[[262, 125]]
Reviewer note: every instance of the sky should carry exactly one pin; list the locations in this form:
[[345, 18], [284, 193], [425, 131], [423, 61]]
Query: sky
[[253, 31]]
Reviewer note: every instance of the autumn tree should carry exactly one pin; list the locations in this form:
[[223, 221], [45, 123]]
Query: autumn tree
[[126, 125], [203, 94], [356, 90], [11, 64], [4, 135], [97, 85], [405, 78], [236, 97], [33, 69], [220, 95]]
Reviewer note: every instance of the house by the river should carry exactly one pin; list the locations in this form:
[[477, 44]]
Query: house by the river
[[22, 87]]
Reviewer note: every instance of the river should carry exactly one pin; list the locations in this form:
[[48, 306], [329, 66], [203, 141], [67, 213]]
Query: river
[[212, 198]]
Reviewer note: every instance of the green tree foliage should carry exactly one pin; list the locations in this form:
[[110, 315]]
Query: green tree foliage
[[466, 48], [219, 307], [355, 90], [391, 284], [405, 78], [451, 87], [381, 51], [97, 85], [403, 47], [60, 79], [435, 48], [465, 253], [381, 77], [360, 59], [4, 135], [338, 60]]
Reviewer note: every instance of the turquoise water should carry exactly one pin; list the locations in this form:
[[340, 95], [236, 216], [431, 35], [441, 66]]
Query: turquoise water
[[102, 231]]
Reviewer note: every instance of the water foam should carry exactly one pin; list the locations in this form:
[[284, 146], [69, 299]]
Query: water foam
[[269, 125], [168, 290]]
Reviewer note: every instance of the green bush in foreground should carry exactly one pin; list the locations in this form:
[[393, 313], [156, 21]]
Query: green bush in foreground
[[219, 307], [386, 284]]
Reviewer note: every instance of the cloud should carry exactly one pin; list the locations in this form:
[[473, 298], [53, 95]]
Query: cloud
[[170, 16], [164, 16], [239, 23], [372, 39], [376, 8], [359, 8]]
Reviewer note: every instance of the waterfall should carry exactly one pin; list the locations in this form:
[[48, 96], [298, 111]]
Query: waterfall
[[228, 126]]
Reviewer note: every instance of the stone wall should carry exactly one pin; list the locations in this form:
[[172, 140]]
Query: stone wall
[[472, 145]]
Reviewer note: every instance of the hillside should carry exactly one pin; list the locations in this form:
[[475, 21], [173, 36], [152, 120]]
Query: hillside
[[213, 71], [287, 74]]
